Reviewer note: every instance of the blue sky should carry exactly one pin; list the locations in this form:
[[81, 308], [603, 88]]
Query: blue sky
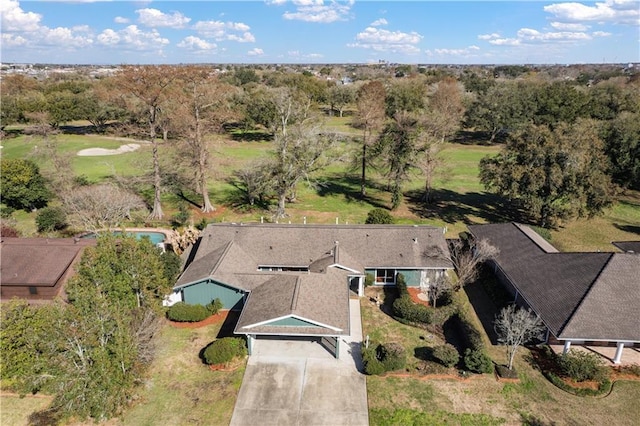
[[316, 31]]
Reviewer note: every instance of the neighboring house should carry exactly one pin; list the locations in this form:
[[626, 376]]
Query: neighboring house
[[628, 246], [582, 298], [295, 280], [36, 269]]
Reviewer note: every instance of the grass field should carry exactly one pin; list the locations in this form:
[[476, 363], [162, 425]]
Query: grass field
[[459, 198]]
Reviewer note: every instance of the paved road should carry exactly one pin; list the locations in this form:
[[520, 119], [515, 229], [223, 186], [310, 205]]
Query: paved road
[[301, 383]]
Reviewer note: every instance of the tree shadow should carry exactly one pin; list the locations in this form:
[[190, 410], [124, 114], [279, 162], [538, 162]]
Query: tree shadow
[[471, 137], [633, 229], [455, 207], [229, 324], [484, 307], [349, 187], [236, 198]]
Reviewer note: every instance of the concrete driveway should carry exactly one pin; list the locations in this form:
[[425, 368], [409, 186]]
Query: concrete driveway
[[300, 383]]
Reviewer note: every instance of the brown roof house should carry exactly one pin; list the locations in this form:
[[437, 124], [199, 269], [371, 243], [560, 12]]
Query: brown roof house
[[582, 298], [36, 269], [295, 280]]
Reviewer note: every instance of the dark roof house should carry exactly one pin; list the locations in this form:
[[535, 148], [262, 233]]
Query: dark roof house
[[580, 297], [36, 269]]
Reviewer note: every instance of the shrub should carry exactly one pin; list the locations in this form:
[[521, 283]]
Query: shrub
[[446, 355], [372, 365], [379, 217], [214, 307], [51, 219], [478, 361], [9, 231], [368, 280], [581, 366], [183, 312], [393, 356], [405, 308], [224, 350]]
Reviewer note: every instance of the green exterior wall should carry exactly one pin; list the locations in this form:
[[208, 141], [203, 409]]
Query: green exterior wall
[[204, 292], [411, 276], [292, 322]]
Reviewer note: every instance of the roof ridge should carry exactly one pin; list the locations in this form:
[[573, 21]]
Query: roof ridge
[[584, 296], [221, 258]]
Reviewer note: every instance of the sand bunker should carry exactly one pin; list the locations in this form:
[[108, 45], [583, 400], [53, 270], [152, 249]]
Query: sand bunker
[[94, 152]]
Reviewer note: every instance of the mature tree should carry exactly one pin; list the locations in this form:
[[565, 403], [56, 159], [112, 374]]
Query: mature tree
[[397, 148], [21, 185], [204, 106], [17, 92], [467, 255], [371, 113], [253, 181], [515, 327], [147, 87], [436, 289], [554, 175], [622, 139], [98, 207], [94, 107], [503, 108], [405, 95], [558, 102], [340, 96]]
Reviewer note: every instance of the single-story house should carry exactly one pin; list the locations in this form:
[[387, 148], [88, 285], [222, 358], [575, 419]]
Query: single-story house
[[582, 298], [36, 269], [295, 280]]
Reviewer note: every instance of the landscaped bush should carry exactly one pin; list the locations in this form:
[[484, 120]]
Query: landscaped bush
[[393, 356], [368, 280], [446, 355], [379, 358], [582, 366], [51, 219], [184, 312], [405, 309], [379, 217], [478, 361], [224, 350]]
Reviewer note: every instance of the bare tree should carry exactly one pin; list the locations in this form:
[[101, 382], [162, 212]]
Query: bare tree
[[515, 327], [100, 206], [204, 107], [467, 258], [147, 86], [436, 289], [370, 98]]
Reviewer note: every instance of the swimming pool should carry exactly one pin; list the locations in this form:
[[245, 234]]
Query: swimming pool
[[155, 237]]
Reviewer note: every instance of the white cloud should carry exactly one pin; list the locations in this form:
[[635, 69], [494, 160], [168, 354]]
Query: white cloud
[[219, 31], [132, 38], [318, 11], [155, 18], [379, 22], [13, 18], [614, 11], [489, 36], [600, 34], [388, 41], [467, 51], [298, 55], [10, 40], [196, 43], [565, 26], [255, 52], [64, 37], [121, 20], [505, 42]]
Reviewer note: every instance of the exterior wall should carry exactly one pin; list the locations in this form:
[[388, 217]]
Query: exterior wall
[[411, 276], [292, 322], [8, 292], [206, 291]]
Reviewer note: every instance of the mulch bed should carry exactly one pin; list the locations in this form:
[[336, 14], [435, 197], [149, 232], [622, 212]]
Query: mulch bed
[[213, 319], [414, 292]]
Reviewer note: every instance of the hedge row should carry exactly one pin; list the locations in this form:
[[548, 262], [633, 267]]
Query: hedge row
[[405, 309], [183, 312], [475, 356], [224, 350]]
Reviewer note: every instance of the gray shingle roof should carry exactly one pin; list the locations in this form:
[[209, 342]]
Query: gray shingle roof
[[319, 298], [565, 288], [611, 309], [628, 246]]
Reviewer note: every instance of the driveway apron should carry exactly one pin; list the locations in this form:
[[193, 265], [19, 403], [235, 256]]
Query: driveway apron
[[301, 383]]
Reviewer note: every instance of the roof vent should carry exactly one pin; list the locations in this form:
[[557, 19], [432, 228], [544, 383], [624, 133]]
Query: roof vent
[[415, 240]]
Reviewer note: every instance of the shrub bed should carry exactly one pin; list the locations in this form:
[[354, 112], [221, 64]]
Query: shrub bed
[[405, 310], [475, 356], [183, 312], [582, 366], [224, 350], [446, 355]]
